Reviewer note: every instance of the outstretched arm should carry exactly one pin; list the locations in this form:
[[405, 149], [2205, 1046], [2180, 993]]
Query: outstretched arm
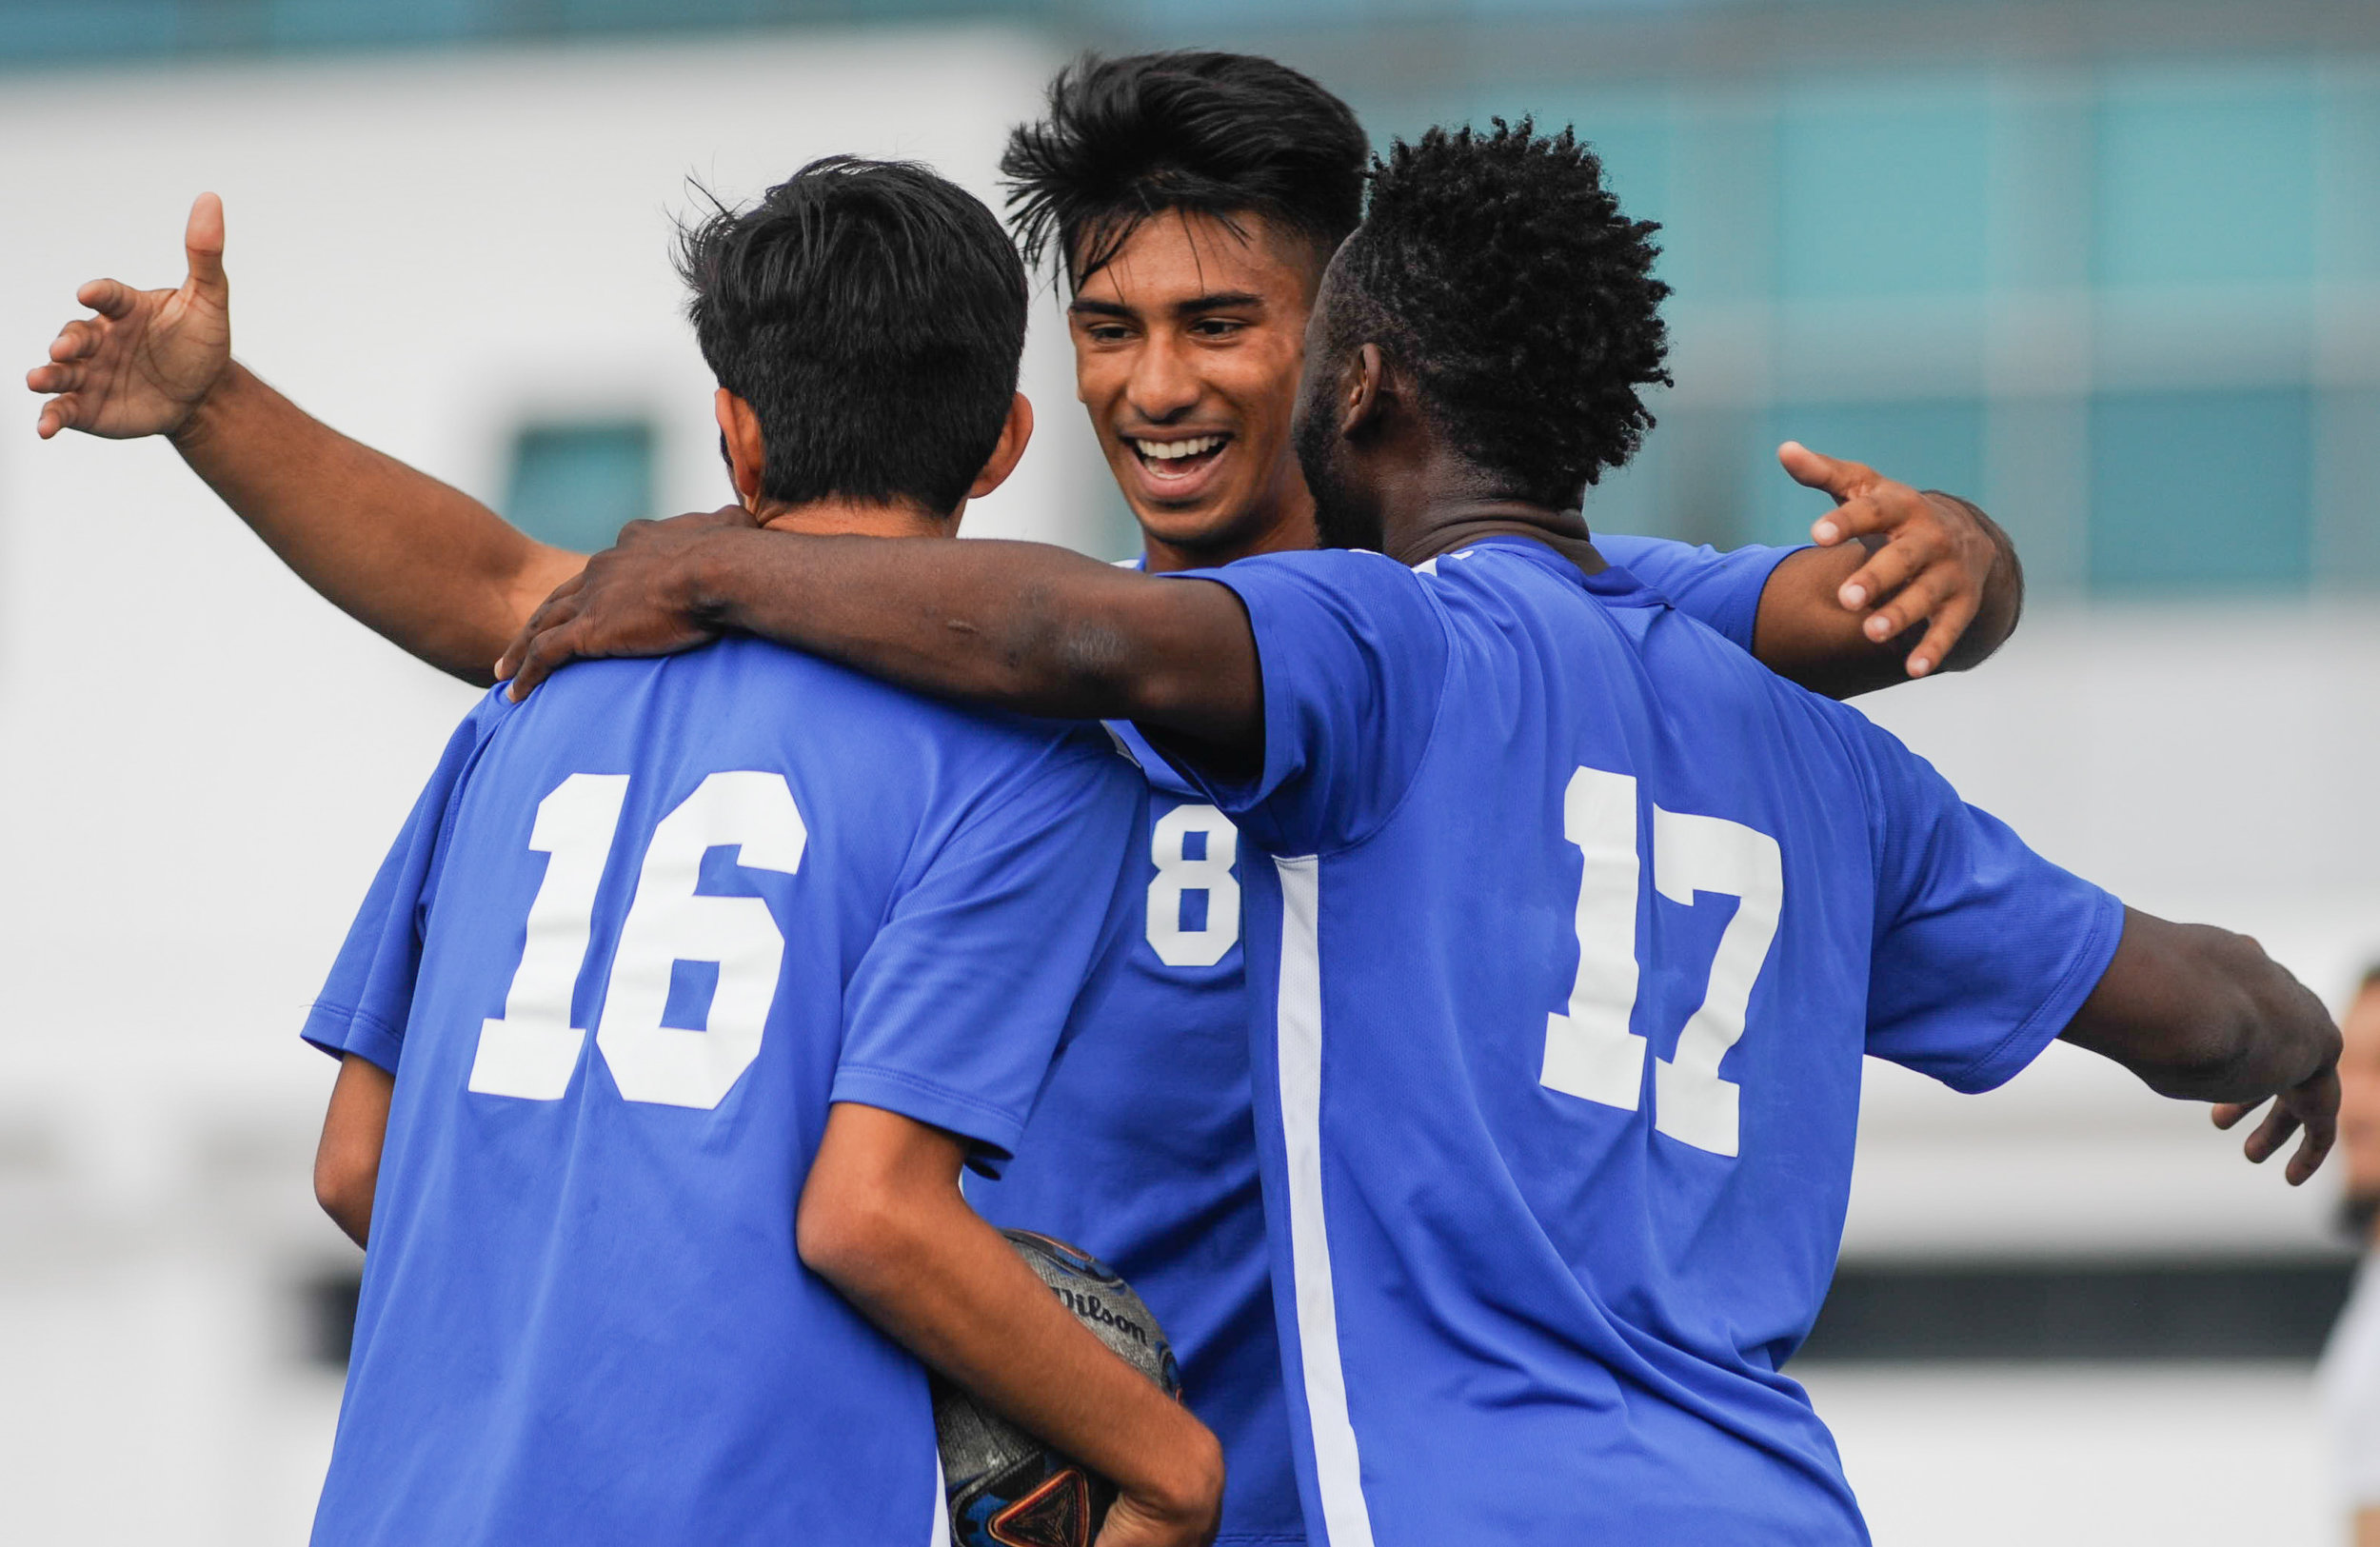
[[1903, 583], [421, 563], [2203, 1014], [883, 1220], [1030, 627]]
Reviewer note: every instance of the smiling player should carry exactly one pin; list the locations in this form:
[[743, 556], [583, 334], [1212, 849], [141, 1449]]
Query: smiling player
[[1193, 201], [1575, 927]]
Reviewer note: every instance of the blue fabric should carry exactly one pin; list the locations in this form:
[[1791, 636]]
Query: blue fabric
[[1720, 591], [582, 1317], [1142, 1149], [1557, 1305]]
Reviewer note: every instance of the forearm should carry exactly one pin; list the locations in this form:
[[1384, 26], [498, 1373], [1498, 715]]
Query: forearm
[[1024, 626], [2204, 1014], [418, 561], [347, 1163], [919, 1262]]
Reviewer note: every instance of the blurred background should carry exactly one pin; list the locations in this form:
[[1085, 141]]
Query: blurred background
[[2111, 269]]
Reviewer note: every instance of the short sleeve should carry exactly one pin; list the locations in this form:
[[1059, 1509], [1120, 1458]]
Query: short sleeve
[[1353, 651], [365, 1003], [1719, 590], [959, 1003], [1984, 950]]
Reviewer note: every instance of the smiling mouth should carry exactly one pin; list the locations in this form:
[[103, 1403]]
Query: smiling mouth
[[1167, 461]]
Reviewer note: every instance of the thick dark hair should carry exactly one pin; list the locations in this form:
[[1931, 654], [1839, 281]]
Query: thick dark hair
[[1219, 135], [873, 315], [1499, 271]]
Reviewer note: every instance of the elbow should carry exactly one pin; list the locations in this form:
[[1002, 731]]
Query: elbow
[[852, 1235], [344, 1191]]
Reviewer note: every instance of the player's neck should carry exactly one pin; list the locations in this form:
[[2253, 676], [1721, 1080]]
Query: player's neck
[[1436, 501], [854, 518]]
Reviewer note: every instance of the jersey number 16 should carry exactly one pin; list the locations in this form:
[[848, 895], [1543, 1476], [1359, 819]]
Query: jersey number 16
[[532, 1049]]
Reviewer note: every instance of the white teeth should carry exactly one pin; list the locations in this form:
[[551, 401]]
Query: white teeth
[[1175, 450]]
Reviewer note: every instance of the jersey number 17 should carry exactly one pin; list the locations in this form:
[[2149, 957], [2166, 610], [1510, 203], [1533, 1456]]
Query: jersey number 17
[[1590, 1050]]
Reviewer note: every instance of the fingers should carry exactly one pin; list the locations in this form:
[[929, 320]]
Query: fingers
[[2271, 1134], [57, 414], [2227, 1114], [1949, 626], [1930, 593], [1837, 477], [1887, 571], [54, 378], [555, 610], [2317, 1102], [76, 340], [202, 245], [547, 653], [109, 297]]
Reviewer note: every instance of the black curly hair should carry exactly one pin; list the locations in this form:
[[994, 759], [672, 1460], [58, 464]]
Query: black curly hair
[[1501, 271], [1220, 134]]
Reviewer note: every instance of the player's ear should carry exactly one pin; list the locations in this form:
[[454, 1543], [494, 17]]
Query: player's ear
[[1364, 390], [1013, 432], [740, 440]]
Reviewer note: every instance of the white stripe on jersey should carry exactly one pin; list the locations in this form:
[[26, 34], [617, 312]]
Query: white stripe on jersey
[[1338, 1473]]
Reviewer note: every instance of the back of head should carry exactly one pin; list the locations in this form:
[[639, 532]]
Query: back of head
[[873, 315], [1501, 273], [1220, 134]]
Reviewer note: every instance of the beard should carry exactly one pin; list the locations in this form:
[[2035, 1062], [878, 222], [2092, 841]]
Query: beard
[[1341, 520]]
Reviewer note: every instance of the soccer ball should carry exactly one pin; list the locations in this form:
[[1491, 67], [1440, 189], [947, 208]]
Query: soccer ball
[[1007, 1489]]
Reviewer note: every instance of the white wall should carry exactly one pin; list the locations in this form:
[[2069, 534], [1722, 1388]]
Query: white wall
[[200, 761]]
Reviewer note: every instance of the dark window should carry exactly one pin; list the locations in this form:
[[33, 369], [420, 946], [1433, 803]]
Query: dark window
[[2090, 1311], [575, 485]]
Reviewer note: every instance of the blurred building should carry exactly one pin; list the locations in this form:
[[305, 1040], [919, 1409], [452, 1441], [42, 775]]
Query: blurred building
[[2113, 269]]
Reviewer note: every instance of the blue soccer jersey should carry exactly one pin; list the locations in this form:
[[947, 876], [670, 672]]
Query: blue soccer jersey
[[636, 936], [1142, 1148], [1570, 929]]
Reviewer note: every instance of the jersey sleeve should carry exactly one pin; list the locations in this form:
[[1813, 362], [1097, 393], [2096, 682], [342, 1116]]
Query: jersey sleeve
[[957, 1007], [1353, 653], [1720, 591], [1983, 949], [368, 996]]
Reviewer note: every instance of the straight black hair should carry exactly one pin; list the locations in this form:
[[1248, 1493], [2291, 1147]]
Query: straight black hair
[[1220, 134], [873, 315]]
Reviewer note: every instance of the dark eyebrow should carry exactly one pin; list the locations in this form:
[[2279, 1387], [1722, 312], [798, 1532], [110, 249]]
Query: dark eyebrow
[[1214, 301]]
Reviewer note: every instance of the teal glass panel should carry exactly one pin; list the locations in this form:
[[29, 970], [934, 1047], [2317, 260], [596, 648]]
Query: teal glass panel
[[575, 485], [306, 23], [1883, 191], [1930, 445], [2201, 491], [34, 31], [2202, 181]]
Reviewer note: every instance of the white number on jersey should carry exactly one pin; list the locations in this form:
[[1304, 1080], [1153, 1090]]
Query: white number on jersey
[[1177, 875], [532, 1051], [1589, 1051]]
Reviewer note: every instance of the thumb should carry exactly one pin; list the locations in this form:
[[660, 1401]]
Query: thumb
[[1831, 474], [202, 244]]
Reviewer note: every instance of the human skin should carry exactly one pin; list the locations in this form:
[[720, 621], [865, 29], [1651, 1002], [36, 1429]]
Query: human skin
[[445, 577], [881, 1217]]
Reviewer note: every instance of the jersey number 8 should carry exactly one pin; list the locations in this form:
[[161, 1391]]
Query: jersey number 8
[[532, 1049], [1589, 1051]]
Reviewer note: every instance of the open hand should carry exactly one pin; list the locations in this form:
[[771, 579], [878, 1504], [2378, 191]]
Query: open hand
[[2313, 1105], [146, 361], [631, 599], [1930, 555]]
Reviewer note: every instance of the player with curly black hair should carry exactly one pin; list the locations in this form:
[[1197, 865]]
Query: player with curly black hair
[[1578, 924], [1544, 324]]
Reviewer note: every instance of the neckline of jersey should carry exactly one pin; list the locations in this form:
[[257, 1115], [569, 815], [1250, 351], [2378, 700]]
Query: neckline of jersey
[[1614, 582]]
